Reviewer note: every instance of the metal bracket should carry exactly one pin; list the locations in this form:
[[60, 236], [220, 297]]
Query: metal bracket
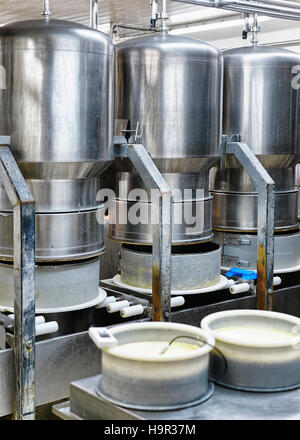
[[162, 232], [265, 224], [230, 261], [24, 271]]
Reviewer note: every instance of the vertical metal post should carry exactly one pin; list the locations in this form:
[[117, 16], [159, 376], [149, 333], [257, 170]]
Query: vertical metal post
[[46, 9], [162, 232], [265, 222], [24, 271], [94, 11]]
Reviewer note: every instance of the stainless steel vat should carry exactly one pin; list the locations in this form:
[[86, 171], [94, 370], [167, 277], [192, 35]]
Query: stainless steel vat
[[59, 236], [57, 81], [192, 209], [193, 267], [59, 287], [59, 195], [56, 100], [255, 362], [172, 87], [169, 91], [155, 382], [261, 106]]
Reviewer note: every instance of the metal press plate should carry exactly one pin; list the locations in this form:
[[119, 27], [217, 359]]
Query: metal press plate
[[201, 399]]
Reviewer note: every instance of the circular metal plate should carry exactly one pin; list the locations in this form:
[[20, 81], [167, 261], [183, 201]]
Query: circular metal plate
[[94, 302], [201, 399], [219, 286]]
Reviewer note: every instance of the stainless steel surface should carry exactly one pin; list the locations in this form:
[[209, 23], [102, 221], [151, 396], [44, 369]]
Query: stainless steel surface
[[46, 9], [58, 134], [172, 87], [158, 382], [238, 211], [94, 12], [238, 181], [110, 258], [261, 107], [59, 361], [225, 404], [192, 207], [240, 250], [192, 267], [155, 407], [255, 363], [265, 221], [60, 236], [161, 232], [56, 286], [270, 125], [185, 228], [24, 286], [59, 195]]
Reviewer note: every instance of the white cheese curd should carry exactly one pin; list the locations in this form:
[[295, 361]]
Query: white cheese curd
[[255, 336], [146, 349]]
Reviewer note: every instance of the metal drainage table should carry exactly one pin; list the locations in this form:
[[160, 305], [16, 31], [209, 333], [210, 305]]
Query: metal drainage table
[[225, 404]]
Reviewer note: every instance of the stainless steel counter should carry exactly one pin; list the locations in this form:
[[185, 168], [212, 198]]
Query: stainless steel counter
[[225, 404]]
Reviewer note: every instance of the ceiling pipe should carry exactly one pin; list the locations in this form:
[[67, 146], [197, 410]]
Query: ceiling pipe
[[94, 11], [272, 8]]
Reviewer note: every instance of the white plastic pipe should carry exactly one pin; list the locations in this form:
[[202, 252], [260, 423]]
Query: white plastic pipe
[[38, 319], [45, 328], [108, 300], [230, 283], [117, 306], [127, 312], [177, 301], [239, 288], [276, 281]]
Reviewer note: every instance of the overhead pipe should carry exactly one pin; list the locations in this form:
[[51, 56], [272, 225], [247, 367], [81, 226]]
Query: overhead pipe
[[272, 8], [94, 12]]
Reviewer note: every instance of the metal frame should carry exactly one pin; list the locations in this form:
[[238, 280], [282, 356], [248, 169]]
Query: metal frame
[[265, 223], [162, 232], [271, 8], [24, 271]]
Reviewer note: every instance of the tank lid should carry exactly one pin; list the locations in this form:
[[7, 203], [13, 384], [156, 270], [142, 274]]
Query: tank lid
[[260, 56], [54, 35], [171, 46]]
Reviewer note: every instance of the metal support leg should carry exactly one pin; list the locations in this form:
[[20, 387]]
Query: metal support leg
[[265, 224], [24, 270], [162, 232]]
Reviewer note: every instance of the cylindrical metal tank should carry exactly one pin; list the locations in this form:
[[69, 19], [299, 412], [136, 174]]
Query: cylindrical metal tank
[[56, 81], [169, 96], [262, 107], [56, 97]]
